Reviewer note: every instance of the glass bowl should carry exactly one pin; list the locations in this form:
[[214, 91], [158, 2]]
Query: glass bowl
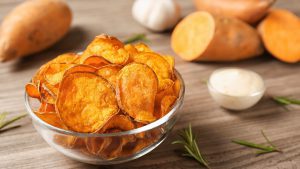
[[107, 148], [233, 102]]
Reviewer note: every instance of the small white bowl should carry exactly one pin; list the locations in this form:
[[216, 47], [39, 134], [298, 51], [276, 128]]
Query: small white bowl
[[234, 102]]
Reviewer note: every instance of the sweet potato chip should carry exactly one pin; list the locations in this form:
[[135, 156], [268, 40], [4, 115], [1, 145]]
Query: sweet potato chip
[[166, 104], [120, 122], [95, 145], [131, 49], [141, 47], [157, 63], [52, 119], [133, 147], [109, 48], [85, 102], [138, 125], [114, 149], [171, 61], [136, 90], [46, 94], [95, 61], [80, 68], [132, 52], [177, 87], [32, 91], [68, 141], [46, 108], [166, 84], [110, 73], [168, 91], [54, 72], [68, 58]]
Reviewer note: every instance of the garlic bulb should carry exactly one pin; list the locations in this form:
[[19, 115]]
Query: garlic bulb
[[156, 15]]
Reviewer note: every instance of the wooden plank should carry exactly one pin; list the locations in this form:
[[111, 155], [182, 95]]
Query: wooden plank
[[215, 127]]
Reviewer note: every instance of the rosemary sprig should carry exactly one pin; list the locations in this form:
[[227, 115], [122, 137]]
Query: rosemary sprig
[[137, 37], [189, 142], [286, 101], [262, 149], [4, 122]]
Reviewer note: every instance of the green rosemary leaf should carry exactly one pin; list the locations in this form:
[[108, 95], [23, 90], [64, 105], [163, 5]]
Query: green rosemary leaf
[[252, 145], [10, 121], [135, 38], [286, 101], [3, 116], [260, 152], [9, 128], [262, 149], [179, 142], [189, 142]]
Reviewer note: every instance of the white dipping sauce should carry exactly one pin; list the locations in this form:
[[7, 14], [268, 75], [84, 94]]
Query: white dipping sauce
[[235, 88]]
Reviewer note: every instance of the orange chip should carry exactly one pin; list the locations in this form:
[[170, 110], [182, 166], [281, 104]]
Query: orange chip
[[110, 73], [114, 149], [157, 63], [68, 58], [46, 108], [52, 119], [177, 87], [131, 49], [85, 102], [55, 72], [166, 84], [68, 141], [133, 147], [138, 125], [166, 103], [136, 90], [141, 47], [119, 122], [109, 48], [80, 68], [95, 145], [95, 61], [32, 91], [39, 76], [168, 91], [171, 61], [47, 95], [132, 52]]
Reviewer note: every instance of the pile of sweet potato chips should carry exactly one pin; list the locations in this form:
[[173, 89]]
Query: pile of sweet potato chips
[[110, 87]]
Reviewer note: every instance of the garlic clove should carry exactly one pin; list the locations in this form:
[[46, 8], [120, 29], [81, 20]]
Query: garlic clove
[[156, 15]]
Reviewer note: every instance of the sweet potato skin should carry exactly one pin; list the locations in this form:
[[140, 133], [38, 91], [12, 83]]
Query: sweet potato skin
[[280, 32], [233, 40], [33, 26], [250, 11]]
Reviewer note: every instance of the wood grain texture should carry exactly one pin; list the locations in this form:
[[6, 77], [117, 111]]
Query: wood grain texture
[[215, 127]]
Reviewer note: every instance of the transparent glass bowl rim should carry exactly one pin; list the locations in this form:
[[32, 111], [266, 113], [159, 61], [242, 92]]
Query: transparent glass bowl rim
[[147, 127], [250, 95]]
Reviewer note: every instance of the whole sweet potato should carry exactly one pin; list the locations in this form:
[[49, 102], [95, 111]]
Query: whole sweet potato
[[33, 26], [250, 11], [201, 36]]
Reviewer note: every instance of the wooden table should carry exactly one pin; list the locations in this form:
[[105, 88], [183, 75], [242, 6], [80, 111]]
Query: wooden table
[[215, 127]]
